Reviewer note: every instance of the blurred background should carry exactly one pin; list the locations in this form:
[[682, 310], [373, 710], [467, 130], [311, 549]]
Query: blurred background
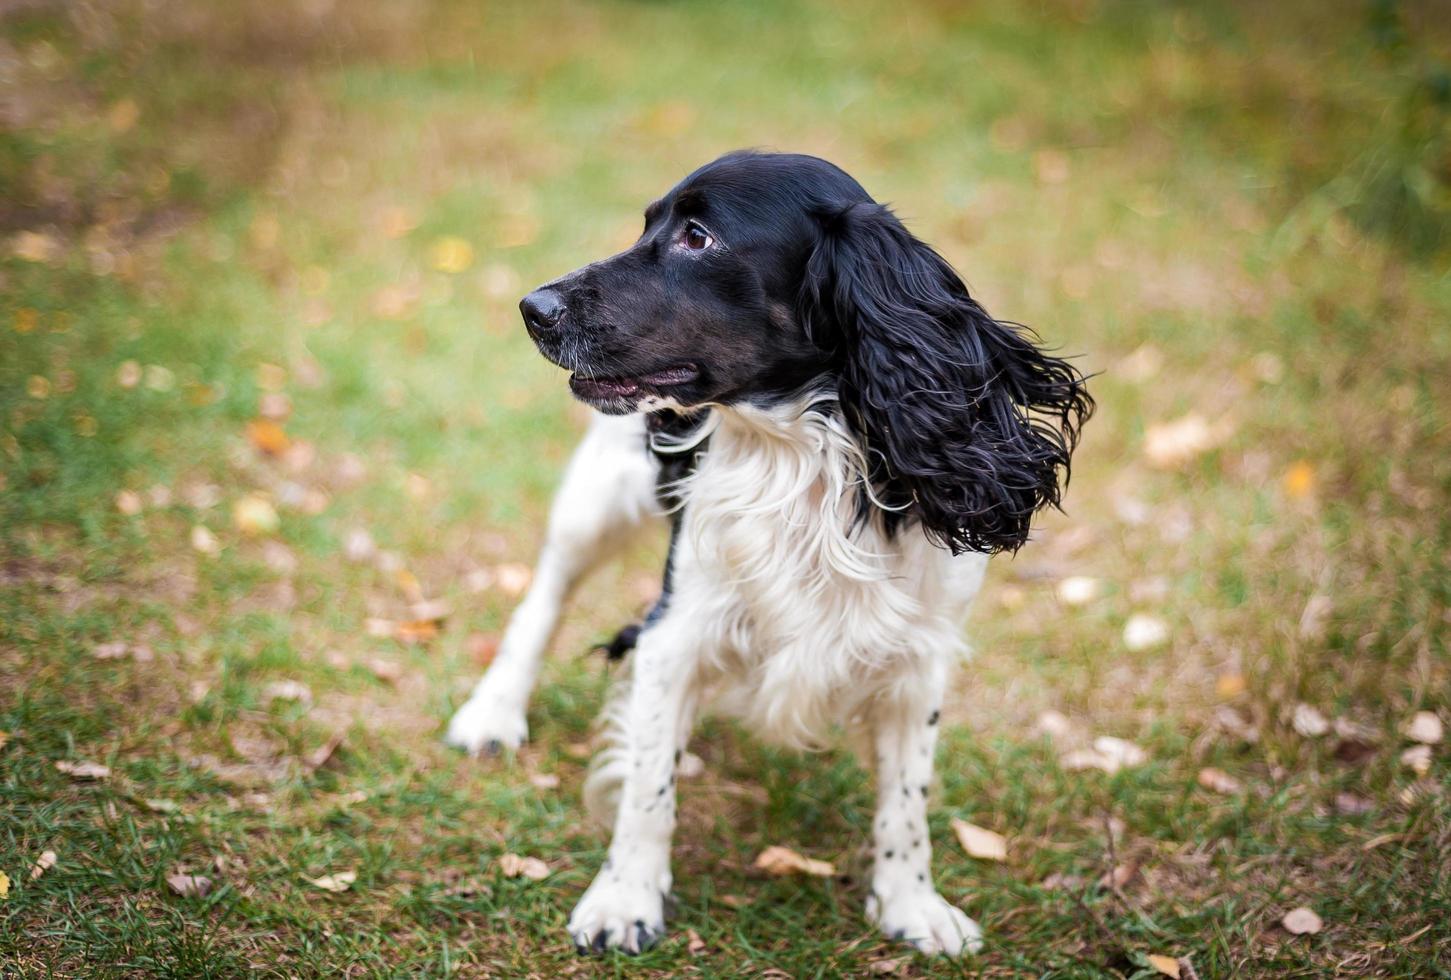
[[275, 455]]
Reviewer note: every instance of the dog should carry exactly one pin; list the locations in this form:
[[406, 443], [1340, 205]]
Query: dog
[[839, 436]]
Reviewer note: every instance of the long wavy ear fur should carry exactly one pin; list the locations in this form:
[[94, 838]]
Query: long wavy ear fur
[[967, 424]]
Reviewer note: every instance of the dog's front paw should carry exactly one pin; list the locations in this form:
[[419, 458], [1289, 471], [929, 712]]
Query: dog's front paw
[[487, 724], [927, 921], [618, 913]]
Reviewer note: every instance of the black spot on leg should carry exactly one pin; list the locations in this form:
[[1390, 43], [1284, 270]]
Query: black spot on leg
[[906, 791], [677, 756], [932, 718], [924, 791], [921, 876], [888, 855], [662, 790], [916, 842]]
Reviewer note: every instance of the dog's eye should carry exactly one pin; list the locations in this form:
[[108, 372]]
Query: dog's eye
[[696, 238]]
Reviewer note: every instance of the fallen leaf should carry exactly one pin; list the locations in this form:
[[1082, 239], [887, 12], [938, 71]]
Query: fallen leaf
[[513, 578], [479, 580], [1308, 721], [1299, 480], [411, 588], [1054, 724], [1230, 685], [1417, 759], [189, 886], [1119, 875], [34, 246], [4, 885], [254, 515], [451, 254], [1424, 727], [884, 968], [358, 546], [544, 780], [338, 882], [4, 738], [1351, 805], [44, 863], [735, 901], [980, 842], [691, 766], [693, 943], [468, 888], [1121, 751], [1314, 616], [279, 557], [267, 437], [1234, 723], [385, 670], [162, 806], [113, 650], [416, 631], [1144, 632], [1302, 921], [1219, 781], [319, 756], [779, 860], [1078, 590], [1165, 965], [483, 648], [434, 610], [287, 690], [129, 503], [204, 541], [1169, 445], [274, 405], [515, 866], [84, 770], [1059, 881]]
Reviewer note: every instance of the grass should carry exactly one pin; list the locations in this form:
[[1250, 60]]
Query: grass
[[1237, 211]]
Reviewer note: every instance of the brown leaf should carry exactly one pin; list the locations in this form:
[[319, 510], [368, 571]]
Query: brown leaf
[[434, 610], [1219, 781], [885, 968], [1169, 445], [1302, 921], [1166, 965], [515, 866], [1417, 759], [1118, 876], [1230, 685], [483, 648], [84, 770], [44, 863], [979, 842], [779, 860], [321, 755], [129, 503], [287, 690], [111, 650], [340, 881], [385, 670], [189, 886], [267, 437], [544, 780], [693, 943], [1351, 805], [204, 541]]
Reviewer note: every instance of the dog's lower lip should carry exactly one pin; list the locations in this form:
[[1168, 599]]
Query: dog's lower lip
[[628, 387]]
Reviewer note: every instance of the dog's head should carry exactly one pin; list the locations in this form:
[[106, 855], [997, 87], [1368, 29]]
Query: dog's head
[[761, 276]]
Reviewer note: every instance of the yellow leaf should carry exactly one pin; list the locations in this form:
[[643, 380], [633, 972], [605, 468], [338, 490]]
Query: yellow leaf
[[26, 320], [409, 584], [1230, 685], [37, 386], [254, 515], [267, 436], [34, 246], [451, 254], [416, 631], [1166, 965], [1299, 480], [980, 842], [4, 885], [778, 860]]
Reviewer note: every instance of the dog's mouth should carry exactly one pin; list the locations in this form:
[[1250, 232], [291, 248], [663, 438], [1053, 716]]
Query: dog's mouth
[[616, 389]]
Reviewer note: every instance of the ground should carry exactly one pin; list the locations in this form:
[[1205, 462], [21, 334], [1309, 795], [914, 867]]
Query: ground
[[263, 390]]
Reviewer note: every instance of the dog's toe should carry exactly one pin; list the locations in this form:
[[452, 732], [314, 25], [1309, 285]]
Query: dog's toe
[[615, 914]]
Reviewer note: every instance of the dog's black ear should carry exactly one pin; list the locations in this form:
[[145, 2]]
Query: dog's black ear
[[967, 426]]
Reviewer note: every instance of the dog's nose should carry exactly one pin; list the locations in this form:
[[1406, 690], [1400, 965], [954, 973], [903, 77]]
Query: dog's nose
[[542, 309]]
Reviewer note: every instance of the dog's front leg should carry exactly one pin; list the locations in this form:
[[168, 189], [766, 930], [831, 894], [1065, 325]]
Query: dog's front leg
[[625, 906], [904, 903]]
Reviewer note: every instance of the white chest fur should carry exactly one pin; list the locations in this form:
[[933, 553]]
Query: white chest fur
[[806, 615]]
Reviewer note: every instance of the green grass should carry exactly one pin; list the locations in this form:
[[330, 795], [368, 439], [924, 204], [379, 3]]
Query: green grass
[[1236, 210]]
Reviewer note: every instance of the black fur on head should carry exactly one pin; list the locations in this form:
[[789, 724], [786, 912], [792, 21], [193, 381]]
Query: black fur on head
[[967, 425], [762, 276]]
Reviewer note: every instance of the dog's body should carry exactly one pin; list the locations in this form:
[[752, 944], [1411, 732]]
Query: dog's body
[[839, 435]]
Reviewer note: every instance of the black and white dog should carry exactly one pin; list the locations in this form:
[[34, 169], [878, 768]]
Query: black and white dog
[[839, 436]]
